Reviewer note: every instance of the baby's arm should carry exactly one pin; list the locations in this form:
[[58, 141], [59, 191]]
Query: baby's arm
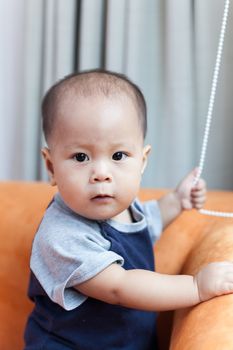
[[151, 291], [185, 196]]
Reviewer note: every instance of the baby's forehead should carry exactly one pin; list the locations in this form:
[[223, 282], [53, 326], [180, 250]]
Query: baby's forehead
[[98, 111], [91, 87], [76, 102], [83, 107], [101, 110]]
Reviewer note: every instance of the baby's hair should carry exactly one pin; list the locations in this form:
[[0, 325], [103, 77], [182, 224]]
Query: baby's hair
[[95, 82]]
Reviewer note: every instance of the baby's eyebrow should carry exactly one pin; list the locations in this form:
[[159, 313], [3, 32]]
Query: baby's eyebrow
[[113, 145], [76, 145], [122, 145]]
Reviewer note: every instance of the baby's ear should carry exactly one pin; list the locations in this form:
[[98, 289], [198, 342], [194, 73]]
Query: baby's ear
[[49, 165], [146, 151]]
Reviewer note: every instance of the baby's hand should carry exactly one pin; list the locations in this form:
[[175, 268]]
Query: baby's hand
[[189, 196], [215, 279]]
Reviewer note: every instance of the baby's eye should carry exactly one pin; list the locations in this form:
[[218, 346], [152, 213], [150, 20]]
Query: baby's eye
[[119, 156], [81, 157]]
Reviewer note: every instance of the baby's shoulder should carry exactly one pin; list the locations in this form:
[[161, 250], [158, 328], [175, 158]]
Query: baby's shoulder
[[64, 227]]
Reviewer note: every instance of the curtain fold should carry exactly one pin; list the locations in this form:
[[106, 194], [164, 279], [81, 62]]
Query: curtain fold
[[167, 47], [11, 61], [178, 113], [50, 29], [91, 36]]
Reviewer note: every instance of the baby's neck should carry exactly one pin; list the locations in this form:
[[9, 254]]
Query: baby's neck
[[124, 217]]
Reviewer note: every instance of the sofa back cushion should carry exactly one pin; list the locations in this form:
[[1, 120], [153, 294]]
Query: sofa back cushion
[[21, 208]]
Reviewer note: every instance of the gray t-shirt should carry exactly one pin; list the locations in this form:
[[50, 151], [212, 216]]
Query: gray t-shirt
[[69, 249]]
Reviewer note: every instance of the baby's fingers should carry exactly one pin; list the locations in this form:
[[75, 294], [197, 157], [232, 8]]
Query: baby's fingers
[[225, 278], [215, 279], [227, 288], [198, 201], [200, 186]]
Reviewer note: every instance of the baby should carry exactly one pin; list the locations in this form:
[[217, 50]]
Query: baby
[[93, 279]]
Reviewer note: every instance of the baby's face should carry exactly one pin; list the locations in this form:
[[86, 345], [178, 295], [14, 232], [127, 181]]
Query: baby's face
[[96, 156]]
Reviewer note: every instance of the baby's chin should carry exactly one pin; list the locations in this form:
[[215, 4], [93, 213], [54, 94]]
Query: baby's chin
[[100, 217], [112, 215], [104, 208]]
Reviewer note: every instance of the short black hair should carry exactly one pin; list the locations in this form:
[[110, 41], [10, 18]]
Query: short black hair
[[89, 83]]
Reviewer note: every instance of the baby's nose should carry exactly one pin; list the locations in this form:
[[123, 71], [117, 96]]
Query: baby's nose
[[100, 173]]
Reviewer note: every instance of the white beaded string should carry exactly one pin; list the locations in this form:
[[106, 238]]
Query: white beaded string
[[210, 111]]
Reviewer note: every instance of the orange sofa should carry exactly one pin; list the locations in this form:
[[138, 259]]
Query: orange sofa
[[187, 244]]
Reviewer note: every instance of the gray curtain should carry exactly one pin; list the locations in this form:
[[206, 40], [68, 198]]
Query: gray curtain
[[167, 47]]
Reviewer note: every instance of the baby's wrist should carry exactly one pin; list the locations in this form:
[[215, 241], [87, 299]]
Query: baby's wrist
[[170, 207], [177, 201]]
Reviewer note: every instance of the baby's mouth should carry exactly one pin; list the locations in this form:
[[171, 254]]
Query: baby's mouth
[[102, 198]]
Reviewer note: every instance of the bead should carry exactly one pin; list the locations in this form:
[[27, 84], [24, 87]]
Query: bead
[[210, 110], [216, 213]]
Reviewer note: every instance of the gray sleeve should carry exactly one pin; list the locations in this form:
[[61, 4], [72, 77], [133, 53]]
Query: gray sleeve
[[65, 255], [153, 217]]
